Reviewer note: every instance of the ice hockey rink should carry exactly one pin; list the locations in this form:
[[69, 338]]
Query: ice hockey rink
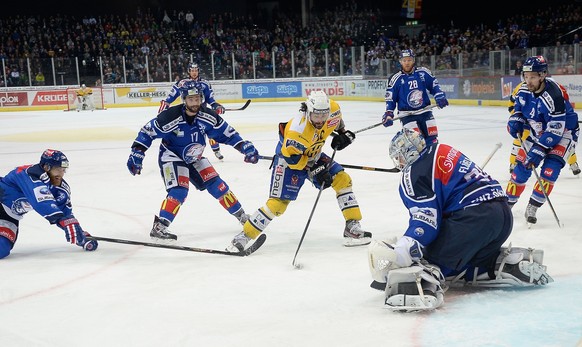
[[55, 294]]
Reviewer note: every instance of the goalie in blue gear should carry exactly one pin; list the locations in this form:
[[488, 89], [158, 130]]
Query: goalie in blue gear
[[39, 187], [194, 76], [459, 219], [183, 130]]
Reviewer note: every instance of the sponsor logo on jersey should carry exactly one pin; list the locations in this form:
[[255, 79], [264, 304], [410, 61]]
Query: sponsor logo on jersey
[[548, 172], [169, 126], [446, 159], [277, 181], [333, 122], [208, 173], [228, 200], [346, 201], [425, 215], [42, 194]]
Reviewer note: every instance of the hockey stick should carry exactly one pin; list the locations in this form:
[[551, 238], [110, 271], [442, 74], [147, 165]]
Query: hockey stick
[[256, 245], [348, 166], [240, 108], [295, 263], [540, 183], [497, 146], [399, 116]]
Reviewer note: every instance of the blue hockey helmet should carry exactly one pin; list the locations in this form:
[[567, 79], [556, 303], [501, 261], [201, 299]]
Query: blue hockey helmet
[[192, 88], [535, 64], [192, 66], [406, 147], [54, 158], [407, 53]]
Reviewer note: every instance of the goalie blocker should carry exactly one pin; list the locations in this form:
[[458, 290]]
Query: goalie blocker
[[421, 286]]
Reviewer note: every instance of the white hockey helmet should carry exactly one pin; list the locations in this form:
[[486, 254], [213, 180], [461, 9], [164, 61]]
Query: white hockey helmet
[[318, 108], [405, 147]]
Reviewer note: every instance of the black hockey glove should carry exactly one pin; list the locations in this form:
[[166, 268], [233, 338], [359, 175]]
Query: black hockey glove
[[320, 174], [343, 140]]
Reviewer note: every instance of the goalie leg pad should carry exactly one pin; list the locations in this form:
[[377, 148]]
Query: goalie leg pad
[[414, 288], [516, 267]]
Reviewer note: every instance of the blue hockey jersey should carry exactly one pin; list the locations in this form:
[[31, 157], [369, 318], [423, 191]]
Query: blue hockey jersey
[[549, 114], [454, 183], [28, 188], [183, 137], [410, 91]]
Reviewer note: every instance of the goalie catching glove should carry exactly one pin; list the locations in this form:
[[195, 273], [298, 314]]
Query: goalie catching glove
[[342, 140]]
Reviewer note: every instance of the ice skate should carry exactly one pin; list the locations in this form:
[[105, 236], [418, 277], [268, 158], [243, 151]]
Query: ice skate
[[160, 230], [354, 235], [239, 243], [218, 154], [530, 215], [575, 169]]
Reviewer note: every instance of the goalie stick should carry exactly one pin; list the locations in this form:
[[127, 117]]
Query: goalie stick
[[255, 246], [240, 108]]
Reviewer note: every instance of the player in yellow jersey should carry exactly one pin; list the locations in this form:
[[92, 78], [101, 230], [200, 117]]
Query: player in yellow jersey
[[572, 159], [299, 157], [84, 99]]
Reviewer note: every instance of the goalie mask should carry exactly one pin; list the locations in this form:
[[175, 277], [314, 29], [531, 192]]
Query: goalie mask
[[406, 147], [318, 108]]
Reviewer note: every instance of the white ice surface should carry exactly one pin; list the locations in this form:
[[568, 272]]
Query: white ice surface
[[55, 294]]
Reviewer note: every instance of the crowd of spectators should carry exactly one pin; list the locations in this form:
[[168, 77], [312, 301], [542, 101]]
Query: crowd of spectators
[[153, 47]]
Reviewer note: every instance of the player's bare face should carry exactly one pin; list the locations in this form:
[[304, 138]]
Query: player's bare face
[[56, 175], [193, 73], [407, 64], [534, 80], [192, 103], [318, 118]]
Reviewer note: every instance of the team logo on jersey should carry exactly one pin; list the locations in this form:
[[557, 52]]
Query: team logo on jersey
[[193, 153], [294, 180], [419, 231], [21, 206], [415, 98]]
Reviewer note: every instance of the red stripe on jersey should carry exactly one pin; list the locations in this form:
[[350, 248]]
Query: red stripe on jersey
[[446, 159]]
